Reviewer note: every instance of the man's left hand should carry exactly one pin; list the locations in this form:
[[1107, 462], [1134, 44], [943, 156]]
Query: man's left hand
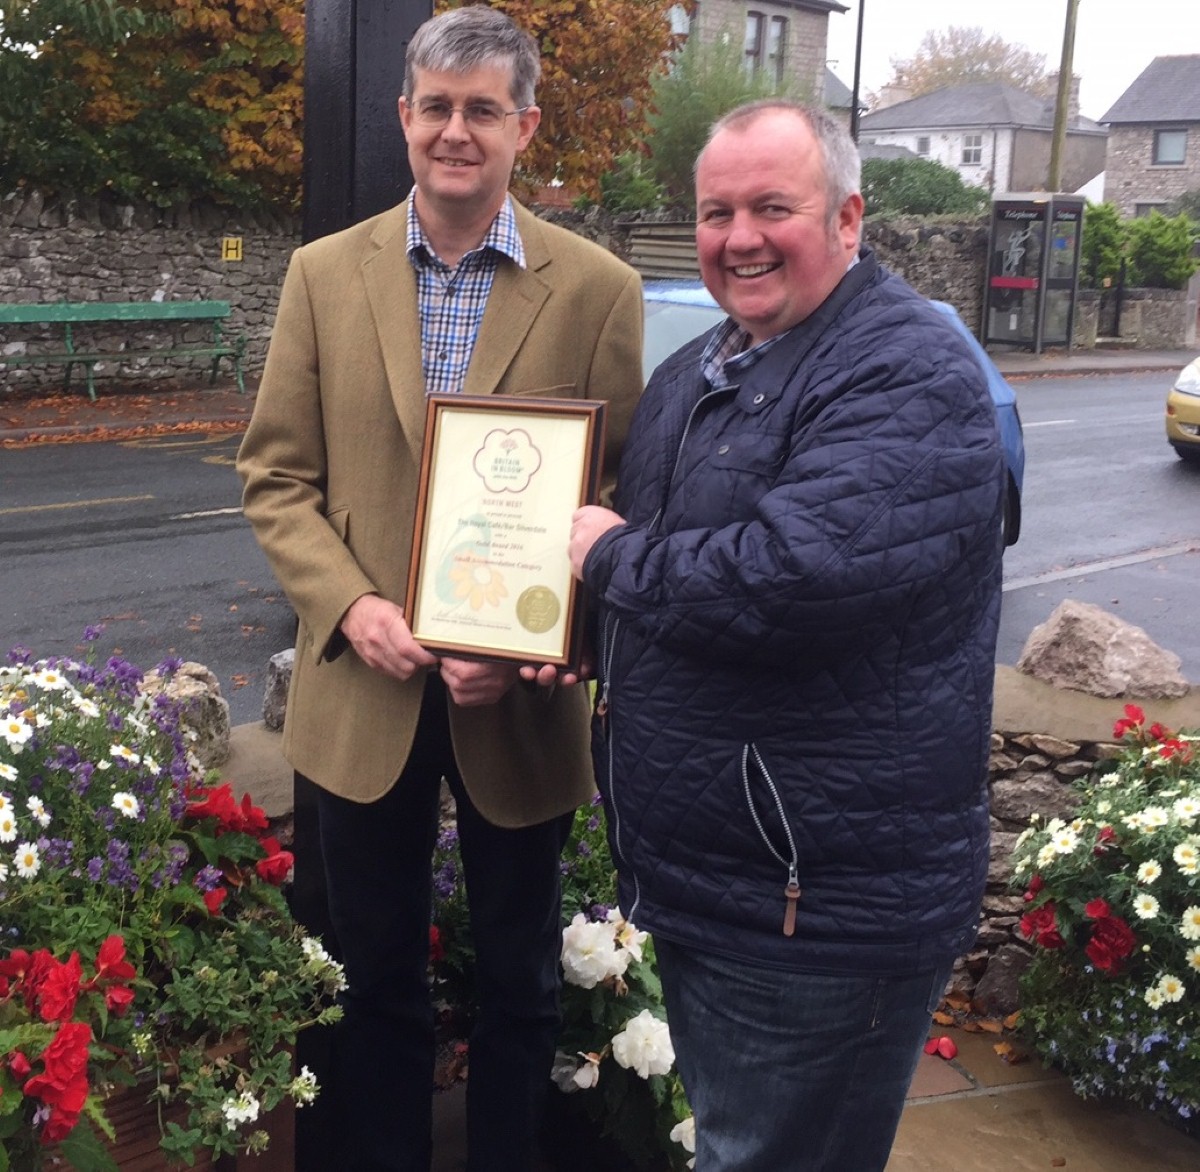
[[587, 525], [472, 684]]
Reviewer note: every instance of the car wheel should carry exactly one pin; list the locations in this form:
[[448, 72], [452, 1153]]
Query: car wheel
[[1189, 454]]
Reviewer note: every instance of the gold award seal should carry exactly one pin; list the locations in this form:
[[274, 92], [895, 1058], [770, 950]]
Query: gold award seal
[[538, 609]]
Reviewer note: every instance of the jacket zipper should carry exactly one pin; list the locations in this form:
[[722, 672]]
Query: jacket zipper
[[791, 891]]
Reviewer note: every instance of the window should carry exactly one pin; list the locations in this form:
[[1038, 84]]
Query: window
[[1141, 210], [755, 27], [972, 151], [681, 23], [1170, 147], [923, 146], [777, 47]]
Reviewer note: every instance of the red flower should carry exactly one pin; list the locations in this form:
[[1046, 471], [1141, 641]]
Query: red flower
[[1173, 747], [19, 1064], [1106, 838], [219, 803], [275, 867], [63, 1085], [1112, 941], [1035, 885], [437, 950], [213, 899], [1096, 909], [1159, 732], [59, 988], [1041, 927], [1134, 718], [118, 998], [111, 964]]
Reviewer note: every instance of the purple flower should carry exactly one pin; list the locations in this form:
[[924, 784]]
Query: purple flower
[[95, 869], [91, 634], [208, 878]]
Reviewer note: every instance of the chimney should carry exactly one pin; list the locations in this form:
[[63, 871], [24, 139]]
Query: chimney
[[1072, 96], [892, 95]]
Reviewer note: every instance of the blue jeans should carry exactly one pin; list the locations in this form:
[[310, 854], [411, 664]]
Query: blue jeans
[[377, 860], [789, 1071]]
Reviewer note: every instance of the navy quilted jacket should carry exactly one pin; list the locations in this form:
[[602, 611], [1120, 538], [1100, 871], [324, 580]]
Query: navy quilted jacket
[[799, 624]]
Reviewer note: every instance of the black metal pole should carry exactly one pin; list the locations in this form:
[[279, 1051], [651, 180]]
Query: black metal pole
[[857, 72]]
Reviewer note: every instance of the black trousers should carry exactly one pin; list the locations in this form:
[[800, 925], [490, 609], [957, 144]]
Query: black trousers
[[377, 860]]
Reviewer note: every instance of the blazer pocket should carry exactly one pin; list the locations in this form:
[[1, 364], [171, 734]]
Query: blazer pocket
[[562, 391]]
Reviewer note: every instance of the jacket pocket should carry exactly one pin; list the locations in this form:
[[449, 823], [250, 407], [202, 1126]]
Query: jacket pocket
[[562, 391], [767, 811]]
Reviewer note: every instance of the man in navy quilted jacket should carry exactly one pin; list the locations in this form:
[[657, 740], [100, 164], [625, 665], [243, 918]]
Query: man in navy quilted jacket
[[799, 591]]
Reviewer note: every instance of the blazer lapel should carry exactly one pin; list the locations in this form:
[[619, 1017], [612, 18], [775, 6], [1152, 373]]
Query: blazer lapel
[[392, 294]]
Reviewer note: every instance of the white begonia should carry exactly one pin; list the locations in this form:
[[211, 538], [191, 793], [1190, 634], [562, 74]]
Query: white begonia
[[1149, 871], [587, 1074], [239, 1110], [590, 954], [1145, 906], [684, 1134], [1171, 987], [27, 860], [1189, 923], [644, 1046], [627, 936]]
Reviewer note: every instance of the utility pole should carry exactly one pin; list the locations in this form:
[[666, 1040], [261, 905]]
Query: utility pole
[[1059, 135], [857, 70]]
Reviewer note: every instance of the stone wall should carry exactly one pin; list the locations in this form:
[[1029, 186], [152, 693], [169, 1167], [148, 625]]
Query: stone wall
[[91, 250], [1131, 178]]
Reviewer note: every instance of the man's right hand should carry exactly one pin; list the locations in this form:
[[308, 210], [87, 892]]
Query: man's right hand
[[379, 633]]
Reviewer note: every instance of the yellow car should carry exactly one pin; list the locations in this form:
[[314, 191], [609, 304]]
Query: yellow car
[[1183, 413]]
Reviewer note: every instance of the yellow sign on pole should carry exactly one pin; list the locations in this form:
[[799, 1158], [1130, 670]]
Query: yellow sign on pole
[[231, 248]]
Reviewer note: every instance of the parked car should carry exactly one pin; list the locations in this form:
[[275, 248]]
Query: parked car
[[1183, 413], [677, 310]]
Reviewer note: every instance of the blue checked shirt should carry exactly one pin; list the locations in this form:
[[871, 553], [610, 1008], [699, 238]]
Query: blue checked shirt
[[451, 301]]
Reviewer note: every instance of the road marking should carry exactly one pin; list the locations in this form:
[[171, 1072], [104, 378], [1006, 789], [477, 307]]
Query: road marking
[[1082, 570], [107, 500], [1046, 423], [206, 513]]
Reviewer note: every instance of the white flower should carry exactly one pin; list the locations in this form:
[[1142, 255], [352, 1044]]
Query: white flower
[[8, 826], [1189, 923], [27, 861], [1022, 839], [86, 707], [1054, 826], [1145, 906], [1187, 810], [7, 773], [1046, 855], [126, 804], [1171, 987], [1192, 956], [239, 1110], [1155, 816], [1103, 807], [627, 936], [1148, 871], [16, 730], [1154, 997], [590, 954], [124, 753], [3, 872], [1187, 857], [151, 766], [684, 1133], [587, 1074], [644, 1045], [38, 809], [49, 680], [1111, 779], [304, 1088]]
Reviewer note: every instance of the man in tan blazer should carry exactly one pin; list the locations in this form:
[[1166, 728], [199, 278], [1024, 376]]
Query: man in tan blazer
[[457, 289]]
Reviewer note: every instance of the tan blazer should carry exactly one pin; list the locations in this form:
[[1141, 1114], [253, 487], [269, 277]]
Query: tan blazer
[[330, 465]]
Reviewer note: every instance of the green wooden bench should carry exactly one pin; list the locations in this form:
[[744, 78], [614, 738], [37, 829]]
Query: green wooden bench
[[71, 314]]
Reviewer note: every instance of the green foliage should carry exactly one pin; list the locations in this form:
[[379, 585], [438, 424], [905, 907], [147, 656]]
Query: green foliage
[[917, 187], [1160, 251], [1189, 204], [707, 79], [1103, 245], [630, 187]]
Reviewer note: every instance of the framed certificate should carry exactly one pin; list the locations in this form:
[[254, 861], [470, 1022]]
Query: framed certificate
[[500, 478]]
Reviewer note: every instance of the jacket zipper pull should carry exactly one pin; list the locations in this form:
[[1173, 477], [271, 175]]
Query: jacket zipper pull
[[602, 708], [792, 893]]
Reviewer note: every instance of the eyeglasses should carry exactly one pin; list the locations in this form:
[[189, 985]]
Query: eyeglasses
[[477, 115]]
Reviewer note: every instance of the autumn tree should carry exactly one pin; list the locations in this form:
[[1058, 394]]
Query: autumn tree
[[960, 56], [166, 100], [598, 63]]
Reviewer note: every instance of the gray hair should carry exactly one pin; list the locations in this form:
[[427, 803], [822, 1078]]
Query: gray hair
[[464, 39], [842, 164]]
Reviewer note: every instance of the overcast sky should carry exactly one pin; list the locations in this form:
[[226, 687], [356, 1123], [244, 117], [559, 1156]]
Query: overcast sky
[[1114, 39]]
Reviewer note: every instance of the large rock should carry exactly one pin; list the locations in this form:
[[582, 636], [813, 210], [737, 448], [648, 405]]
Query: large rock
[[205, 710], [279, 678], [1085, 648]]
